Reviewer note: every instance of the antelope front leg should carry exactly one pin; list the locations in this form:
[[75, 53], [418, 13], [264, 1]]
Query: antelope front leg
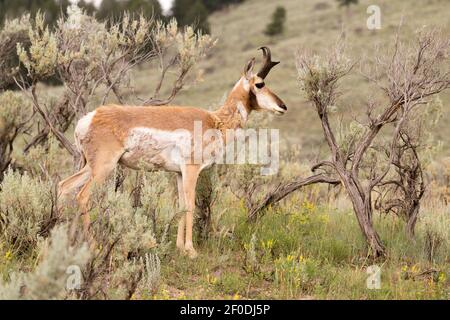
[[189, 184], [180, 234], [181, 206]]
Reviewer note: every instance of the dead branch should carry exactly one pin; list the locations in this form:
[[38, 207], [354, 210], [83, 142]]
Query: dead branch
[[283, 190]]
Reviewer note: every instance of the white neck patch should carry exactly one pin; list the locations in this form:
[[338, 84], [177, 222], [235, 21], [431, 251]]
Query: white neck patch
[[242, 111], [245, 84]]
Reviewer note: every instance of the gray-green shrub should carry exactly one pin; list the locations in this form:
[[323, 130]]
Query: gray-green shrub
[[49, 279], [26, 208]]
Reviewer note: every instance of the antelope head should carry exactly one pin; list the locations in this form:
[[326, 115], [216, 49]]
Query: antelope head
[[261, 97]]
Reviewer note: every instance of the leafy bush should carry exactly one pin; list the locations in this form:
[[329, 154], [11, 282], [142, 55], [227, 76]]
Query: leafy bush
[[26, 210], [116, 218], [13, 31], [45, 161], [50, 278], [125, 259], [14, 115], [14, 110], [85, 55]]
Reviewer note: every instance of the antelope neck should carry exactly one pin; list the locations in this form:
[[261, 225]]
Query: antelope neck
[[234, 113]]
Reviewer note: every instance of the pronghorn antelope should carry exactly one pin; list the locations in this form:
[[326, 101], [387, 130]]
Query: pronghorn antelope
[[156, 138]]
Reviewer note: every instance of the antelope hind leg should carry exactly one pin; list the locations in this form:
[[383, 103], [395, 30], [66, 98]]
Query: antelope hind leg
[[181, 207], [190, 177]]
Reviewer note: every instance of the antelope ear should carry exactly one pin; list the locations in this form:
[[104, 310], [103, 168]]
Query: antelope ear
[[248, 71]]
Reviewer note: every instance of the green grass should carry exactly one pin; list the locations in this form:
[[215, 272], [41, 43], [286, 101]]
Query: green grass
[[312, 253], [300, 249]]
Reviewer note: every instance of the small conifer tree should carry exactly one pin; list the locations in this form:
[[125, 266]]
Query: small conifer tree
[[276, 26], [347, 3]]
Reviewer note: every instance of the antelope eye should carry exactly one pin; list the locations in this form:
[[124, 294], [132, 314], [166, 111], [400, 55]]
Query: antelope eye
[[260, 85]]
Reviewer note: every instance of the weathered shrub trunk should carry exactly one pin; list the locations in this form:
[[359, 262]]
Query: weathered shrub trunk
[[363, 210]]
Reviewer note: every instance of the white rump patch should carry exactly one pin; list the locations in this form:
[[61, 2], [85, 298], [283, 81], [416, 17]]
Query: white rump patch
[[82, 128]]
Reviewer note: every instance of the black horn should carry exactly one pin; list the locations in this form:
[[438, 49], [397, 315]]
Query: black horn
[[268, 63]]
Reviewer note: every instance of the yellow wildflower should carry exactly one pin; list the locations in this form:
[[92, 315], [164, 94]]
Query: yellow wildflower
[[308, 205], [8, 255]]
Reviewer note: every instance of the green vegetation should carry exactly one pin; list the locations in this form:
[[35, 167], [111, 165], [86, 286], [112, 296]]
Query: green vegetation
[[347, 3], [187, 12], [191, 12], [115, 8], [298, 250], [15, 8], [54, 8], [276, 26], [196, 12]]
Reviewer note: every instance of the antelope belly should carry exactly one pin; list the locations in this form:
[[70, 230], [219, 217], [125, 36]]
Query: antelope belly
[[153, 149]]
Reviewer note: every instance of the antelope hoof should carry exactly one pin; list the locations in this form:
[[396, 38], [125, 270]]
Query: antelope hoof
[[180, 246], [191, 252]]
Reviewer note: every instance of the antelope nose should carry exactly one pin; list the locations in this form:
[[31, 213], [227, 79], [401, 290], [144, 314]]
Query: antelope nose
[[283, 106]]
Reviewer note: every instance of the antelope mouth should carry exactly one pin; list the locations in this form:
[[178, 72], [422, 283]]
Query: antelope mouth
[[280, 111]]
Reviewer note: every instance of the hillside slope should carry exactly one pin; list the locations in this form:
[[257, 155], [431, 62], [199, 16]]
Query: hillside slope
[[313, 25]]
